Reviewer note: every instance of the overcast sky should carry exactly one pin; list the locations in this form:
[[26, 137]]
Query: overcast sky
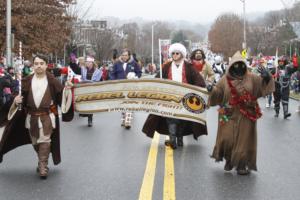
[[191, 10]]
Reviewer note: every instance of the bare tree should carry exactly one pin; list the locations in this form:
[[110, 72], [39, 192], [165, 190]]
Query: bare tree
[[104, 43], [41, 25], [226, 34]]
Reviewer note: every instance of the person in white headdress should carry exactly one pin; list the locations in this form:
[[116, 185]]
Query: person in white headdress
[[178, 69]]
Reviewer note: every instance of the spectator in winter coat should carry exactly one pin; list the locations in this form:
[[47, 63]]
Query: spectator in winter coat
[[126, 67]]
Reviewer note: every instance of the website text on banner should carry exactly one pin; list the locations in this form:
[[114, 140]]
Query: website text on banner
[[156, 96]]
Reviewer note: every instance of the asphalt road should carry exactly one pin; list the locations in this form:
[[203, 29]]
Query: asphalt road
[[109, 162]]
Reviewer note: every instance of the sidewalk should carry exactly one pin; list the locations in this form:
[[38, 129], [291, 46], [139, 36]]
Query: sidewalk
[[295, 96]]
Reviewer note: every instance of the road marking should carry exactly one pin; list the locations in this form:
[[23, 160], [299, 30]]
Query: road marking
[[148, 181], [169, 180]]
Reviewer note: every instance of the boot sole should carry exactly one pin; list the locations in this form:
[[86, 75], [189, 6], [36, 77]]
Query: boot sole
[[43, 177], [243, 172]]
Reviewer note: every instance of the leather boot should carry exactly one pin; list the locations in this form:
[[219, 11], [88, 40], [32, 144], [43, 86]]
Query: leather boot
[[180, 141], [179, 134], [43, 155], [90, 120], [228, 166], [276, 112], [36, 149], [171, 142], [172, 127], [242, 170], [286, 113]]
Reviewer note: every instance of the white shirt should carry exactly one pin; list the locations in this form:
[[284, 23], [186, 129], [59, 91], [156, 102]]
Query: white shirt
[[38, 86], [177, 72], [124, 66]]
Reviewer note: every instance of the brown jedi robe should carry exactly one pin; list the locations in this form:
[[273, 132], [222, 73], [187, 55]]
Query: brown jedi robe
[[237, 139], [15, 134], [158, 123]]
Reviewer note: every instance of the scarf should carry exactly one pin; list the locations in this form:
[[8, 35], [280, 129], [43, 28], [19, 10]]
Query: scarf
[[198, 65], [184, 80]]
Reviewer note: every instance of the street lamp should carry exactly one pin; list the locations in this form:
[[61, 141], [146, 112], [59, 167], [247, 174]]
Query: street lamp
[[152, 44], [8, 33], [244, 46], [152, 36]]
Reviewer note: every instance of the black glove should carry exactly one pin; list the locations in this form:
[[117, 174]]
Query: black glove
[[264, 74], [209, 87]]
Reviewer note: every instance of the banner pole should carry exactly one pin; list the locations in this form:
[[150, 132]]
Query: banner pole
[[160, 64]]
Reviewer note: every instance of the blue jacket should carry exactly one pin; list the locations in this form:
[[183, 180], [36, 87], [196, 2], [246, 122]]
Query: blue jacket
[[96, 75], [119, 73]]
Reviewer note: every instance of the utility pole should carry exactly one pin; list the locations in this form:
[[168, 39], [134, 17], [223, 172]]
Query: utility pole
[[8, 33], [244, 46], [152, 44]]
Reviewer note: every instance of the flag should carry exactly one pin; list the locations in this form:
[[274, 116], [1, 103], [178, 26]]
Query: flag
[[71, 76], [276, 63], [276, 58], [295, 60]]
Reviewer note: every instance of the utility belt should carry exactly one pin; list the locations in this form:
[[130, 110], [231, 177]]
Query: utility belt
[[52, 109]]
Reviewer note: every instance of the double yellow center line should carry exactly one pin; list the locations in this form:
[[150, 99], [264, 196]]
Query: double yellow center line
[[149, 176]]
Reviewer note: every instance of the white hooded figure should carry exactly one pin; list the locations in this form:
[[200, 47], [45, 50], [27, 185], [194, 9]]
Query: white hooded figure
[[219, 68]]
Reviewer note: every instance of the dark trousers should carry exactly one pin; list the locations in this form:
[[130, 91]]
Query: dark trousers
[[281, 95], [175, 127]]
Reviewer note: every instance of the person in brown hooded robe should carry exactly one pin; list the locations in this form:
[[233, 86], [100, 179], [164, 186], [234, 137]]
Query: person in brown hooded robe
[[37, 121], [236, 93]]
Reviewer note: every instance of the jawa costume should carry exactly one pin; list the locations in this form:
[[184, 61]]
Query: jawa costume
[[236, 93], [37, 123]]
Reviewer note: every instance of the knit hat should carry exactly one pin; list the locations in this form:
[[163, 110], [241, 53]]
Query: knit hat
[[177, 47]]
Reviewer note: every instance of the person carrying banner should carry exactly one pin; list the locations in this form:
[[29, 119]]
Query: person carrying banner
[[36, 121], [181, 71], [89, 73], [126, 68], [236, 93]]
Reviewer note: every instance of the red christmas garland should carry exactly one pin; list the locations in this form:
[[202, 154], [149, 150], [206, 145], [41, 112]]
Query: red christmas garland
[[240, 101]]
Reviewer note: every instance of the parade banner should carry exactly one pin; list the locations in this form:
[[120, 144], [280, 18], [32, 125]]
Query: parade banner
[[164, 46], [156, 96]]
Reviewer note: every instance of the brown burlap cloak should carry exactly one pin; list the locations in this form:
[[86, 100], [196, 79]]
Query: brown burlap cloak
[[15, 134], [237, 139], [159, 124]]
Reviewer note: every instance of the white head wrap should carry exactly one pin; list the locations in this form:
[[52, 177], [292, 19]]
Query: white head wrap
[[177, 47]]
